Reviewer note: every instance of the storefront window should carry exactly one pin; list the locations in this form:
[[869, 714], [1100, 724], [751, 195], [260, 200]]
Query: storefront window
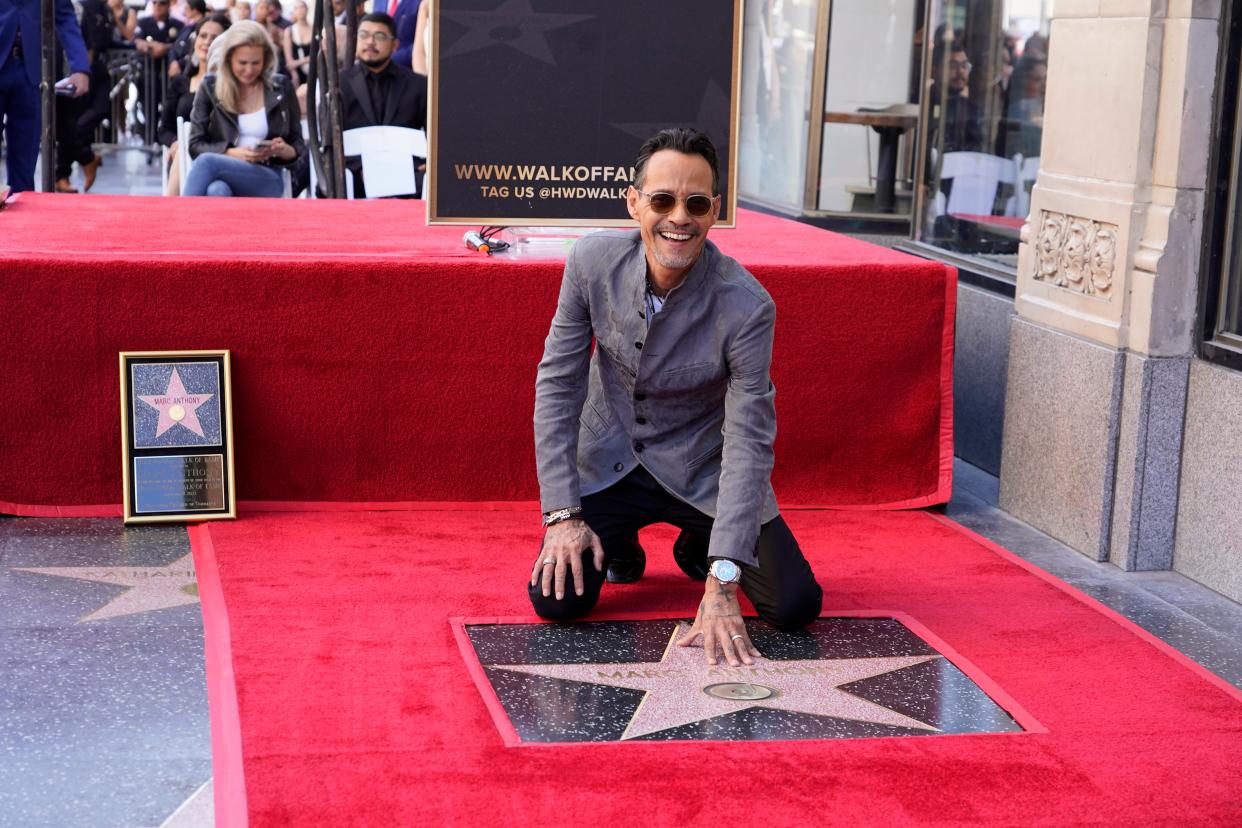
[[984, 87], [778, 61], [871, 106], [1223, 270]]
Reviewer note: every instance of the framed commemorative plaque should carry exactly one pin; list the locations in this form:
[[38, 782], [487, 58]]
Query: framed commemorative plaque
[[176, 436]]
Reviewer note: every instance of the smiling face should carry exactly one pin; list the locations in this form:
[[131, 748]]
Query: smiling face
[[673, 240], [208, 31], [246, 63]]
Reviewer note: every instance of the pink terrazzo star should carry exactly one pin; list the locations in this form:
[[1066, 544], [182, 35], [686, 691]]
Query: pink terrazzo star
[[177, 407], [675, 694]]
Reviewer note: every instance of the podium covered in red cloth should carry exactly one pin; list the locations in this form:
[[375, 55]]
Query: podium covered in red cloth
[[378, 361]]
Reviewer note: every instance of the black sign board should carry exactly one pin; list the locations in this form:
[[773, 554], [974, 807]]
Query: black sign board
[[539, 106]]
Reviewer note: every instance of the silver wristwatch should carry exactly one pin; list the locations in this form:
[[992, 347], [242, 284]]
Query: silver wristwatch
[[725, 571]]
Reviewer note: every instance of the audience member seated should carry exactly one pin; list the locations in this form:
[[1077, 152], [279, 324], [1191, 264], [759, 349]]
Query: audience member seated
[[959, 122], [179, 102], [267, 15], [183, 46], [297, 43], [273, 17], [376, 91], [244, 128]]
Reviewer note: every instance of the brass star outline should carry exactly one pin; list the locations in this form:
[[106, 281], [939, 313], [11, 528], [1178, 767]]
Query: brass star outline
[[674, 694]]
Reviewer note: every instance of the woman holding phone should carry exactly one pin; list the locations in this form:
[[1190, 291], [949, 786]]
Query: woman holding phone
[[179, 100], [245, 125]]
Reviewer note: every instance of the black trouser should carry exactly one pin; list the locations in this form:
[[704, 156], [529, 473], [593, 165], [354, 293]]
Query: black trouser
[[782, 587]]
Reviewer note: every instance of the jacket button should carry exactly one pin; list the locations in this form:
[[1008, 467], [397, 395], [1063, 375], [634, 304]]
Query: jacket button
[[640, 420], [639, 397], [638, 448], [638, 345], [618, 467]]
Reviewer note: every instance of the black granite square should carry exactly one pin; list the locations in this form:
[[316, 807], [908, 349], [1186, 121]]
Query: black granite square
[[622, 680]]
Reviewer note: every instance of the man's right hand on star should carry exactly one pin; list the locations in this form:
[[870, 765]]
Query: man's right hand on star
[[563, 545]]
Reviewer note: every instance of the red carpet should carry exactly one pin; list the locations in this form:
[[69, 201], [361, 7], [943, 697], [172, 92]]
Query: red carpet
[[356, 707], [365, 345]]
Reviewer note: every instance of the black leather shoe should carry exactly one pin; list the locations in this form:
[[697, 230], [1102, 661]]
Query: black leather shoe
[[690, 553], [626, 563]]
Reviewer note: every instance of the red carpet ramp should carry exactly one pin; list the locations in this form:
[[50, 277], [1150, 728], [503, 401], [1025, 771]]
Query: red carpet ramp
[[378, 360], [356, 707]]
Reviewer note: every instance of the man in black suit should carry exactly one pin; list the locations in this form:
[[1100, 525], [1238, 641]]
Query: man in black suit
[[375, 91]]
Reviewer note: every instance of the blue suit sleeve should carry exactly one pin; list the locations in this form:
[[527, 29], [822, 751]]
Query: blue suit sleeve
[[70, 36]]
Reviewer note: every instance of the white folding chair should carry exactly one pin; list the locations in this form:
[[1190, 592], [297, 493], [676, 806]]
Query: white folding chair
[[387, 154], [1025, 171], [183, 154], [976, 176]]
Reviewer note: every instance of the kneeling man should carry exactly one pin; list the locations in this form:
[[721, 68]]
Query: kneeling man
[[671, 419]]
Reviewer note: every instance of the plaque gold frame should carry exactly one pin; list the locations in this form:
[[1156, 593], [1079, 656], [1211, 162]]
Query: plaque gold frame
[[735, 101], [226, 415]]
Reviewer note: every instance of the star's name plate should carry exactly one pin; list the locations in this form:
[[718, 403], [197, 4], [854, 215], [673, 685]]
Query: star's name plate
[[176, 436]]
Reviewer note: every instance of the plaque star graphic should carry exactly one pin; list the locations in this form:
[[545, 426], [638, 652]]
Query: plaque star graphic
[[713, 113], [176, 406], [675, 685], [149, 587], [514, 24]]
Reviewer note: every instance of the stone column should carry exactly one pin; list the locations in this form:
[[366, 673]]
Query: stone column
[[1108, 278]]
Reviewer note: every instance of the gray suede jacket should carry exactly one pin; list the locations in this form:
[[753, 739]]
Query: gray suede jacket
[[690, 397]]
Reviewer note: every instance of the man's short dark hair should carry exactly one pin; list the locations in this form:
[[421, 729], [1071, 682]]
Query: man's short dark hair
[[382, 19], [682, 139], [199, 6]]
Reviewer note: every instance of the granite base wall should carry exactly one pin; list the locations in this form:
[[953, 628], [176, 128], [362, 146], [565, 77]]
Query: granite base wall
[[1209, 515], [980, 367], [1062, 418]]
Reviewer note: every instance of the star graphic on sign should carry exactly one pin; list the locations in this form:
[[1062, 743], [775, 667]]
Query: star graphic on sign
[[713, 111], [675, 686], [176, 406], [148, 587], [514, 24]]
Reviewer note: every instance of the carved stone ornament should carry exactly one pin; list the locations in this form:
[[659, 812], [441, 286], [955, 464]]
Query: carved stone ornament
[[1076, 253]]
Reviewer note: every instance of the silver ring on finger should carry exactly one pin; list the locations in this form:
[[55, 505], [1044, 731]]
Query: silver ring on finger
[[737, 637], [549, 561]]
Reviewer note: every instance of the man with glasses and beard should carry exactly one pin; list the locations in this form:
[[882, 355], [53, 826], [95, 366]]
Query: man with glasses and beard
[[671, 418], [376, 91]]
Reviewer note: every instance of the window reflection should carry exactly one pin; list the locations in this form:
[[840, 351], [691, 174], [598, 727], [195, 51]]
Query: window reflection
[[779, 53], [985, 107], [871, 106]]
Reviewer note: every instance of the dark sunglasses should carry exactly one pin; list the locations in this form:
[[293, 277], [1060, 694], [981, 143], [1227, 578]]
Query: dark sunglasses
[[696, 205]]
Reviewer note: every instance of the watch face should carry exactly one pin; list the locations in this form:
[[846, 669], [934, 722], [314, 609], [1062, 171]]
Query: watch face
[[725, 571]]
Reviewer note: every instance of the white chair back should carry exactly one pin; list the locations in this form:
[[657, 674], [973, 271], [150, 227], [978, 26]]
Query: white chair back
[[386, 153], [1026, 170], [183, 153], [976, 177]]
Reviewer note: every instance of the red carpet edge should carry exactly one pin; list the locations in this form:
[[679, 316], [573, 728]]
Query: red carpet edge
[[1109, 613], [226, 743]]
